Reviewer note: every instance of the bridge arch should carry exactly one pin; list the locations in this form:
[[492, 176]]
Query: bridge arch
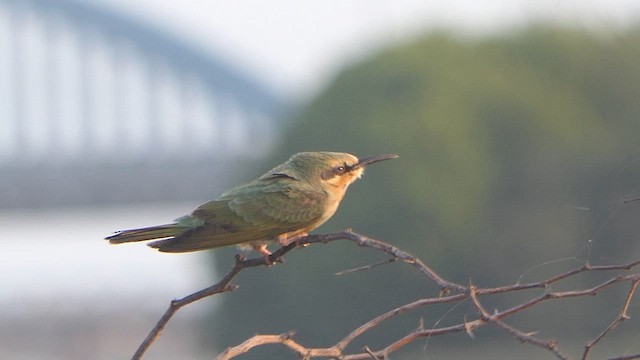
[[85, 82], [96, 108]]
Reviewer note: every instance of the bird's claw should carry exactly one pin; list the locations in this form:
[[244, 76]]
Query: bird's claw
[[283, 240]]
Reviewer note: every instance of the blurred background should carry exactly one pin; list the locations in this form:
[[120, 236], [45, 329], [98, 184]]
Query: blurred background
[[517, 123]]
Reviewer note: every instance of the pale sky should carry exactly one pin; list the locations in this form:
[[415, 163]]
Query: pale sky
[[296, 47]]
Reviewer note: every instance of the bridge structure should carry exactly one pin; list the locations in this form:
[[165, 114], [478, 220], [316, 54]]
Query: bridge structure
[[96, 107]]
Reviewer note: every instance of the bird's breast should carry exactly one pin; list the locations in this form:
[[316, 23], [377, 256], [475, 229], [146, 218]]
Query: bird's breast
[[330, 206]]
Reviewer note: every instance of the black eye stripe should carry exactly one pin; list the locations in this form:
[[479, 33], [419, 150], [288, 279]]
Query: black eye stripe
[[336, 171]]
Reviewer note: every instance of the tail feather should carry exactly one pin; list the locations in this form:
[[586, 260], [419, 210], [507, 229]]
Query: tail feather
[[174, 245], [148, 233]]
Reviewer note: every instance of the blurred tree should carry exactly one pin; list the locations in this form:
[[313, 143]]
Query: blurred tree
[[515, 150]]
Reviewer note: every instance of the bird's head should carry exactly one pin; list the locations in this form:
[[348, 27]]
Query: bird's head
[[333, 170]]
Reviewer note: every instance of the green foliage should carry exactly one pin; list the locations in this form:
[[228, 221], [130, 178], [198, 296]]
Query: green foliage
[[504, 144]]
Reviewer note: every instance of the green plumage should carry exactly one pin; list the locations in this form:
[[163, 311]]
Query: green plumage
[[291, 199]]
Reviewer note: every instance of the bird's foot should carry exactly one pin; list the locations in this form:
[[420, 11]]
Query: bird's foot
[[284, 240], [262, 249]]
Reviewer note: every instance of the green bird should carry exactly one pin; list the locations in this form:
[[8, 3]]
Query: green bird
[[281, 206]]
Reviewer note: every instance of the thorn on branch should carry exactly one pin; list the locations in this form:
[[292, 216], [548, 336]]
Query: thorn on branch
[[230, 287], [368, 351], [469, 327], [550, 345]]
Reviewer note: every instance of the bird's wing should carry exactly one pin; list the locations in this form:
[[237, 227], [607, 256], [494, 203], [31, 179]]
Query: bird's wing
[[285, 205], [257, 211]]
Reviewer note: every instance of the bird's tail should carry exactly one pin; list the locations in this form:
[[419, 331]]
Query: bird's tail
[[148, 233]]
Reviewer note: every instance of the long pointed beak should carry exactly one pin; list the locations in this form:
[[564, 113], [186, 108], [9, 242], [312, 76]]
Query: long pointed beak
[[373, 159]]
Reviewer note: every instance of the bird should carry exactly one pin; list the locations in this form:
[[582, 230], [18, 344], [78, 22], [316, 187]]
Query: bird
[[281, 206]]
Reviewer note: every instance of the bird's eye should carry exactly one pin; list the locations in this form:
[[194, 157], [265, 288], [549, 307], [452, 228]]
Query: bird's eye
[[335, 171]]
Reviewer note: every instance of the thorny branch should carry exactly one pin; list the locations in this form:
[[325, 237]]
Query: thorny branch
[[550, 345], [450, 292]]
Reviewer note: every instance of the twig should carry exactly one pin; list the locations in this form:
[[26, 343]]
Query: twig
[[626, 357], [462, 293], [445, 286], [550, 345], [368, 351], [621, 317], [342, 344], [222, 286], [365, 267], [284, 339], [467, 326]]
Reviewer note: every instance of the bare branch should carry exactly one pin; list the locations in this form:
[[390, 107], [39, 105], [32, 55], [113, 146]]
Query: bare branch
[[397, 311], [222, 286], [621, 317], [626, 357], [284, 339], [460, 293], [550, 345], [368, 351], [445, 286]]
